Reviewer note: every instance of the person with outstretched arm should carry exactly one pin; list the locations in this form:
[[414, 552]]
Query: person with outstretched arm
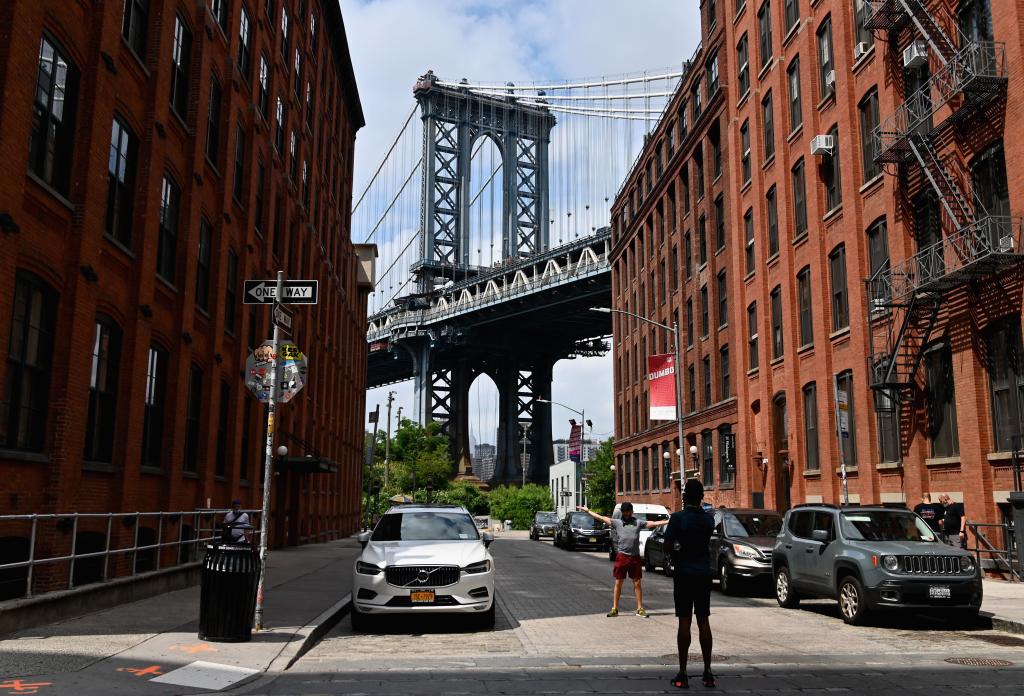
[[688, 534], [627, 559]]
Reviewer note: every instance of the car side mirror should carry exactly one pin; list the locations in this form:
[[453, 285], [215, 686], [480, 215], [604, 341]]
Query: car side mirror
[[487, 538], [364, 539], [820, 535]]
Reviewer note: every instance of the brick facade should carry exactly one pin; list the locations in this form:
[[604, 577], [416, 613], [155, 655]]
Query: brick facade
[[772, 442], [59, 239]]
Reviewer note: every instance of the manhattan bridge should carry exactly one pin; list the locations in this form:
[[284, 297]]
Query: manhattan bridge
[[491, 214]]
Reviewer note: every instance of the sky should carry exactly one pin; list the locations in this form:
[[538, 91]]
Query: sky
[[394, 41]]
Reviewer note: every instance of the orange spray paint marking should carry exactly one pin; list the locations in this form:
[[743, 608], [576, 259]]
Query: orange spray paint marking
[[17, 686], [152, 670], [193, 649]]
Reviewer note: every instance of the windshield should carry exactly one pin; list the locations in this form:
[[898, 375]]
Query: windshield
[[642, 517], [546, 518], [425, 526], [585, 521], [883, 525], [750, 525]]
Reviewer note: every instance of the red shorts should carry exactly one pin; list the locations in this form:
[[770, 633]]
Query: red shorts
[[627, 565]]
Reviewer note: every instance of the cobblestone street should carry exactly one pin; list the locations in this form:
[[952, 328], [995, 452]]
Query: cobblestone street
[[553, 637]]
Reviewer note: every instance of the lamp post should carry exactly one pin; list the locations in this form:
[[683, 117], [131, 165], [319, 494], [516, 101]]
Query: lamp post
[[583, 416], [693, 459], [676, 367]]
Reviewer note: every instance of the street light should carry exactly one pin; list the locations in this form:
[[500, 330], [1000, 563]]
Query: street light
[[693, 458], [676, 368]]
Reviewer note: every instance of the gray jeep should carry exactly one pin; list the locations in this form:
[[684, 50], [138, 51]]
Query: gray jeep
[[871, 559]]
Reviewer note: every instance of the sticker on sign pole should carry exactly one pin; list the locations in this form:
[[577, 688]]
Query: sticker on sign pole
[[291, 371]]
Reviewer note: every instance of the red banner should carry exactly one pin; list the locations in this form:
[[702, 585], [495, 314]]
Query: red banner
[[576, 442], [661, 381]]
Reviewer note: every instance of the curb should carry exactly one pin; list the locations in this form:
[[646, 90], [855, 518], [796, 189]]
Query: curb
[[323, 623], [1008, 625]]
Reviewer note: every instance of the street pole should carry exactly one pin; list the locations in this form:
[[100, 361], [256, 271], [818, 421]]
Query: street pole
[[387, 442], [841, 410], [268, 458], [522, 463], [373, 452], [678, 372]]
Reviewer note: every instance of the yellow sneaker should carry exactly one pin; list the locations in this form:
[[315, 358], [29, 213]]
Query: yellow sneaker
[[612, 614], [642, 613]]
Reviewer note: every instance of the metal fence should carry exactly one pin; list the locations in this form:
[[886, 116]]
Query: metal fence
[[996, 557], [49, 535]]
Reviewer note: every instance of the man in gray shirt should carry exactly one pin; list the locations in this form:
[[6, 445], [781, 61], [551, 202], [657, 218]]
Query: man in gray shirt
[[627, 558]]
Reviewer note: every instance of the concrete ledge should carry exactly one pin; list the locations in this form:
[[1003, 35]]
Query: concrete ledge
[[19, 614]]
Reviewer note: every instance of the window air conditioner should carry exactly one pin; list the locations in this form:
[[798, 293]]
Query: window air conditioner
[[859, 50], [1006, 244], [915, 55], [822, 145], [830, 79]]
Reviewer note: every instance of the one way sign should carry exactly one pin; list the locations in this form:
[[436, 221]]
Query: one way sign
[[293, 291]]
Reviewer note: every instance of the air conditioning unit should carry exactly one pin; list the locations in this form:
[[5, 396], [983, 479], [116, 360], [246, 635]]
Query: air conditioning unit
[[916, 54], [830, 79], [860, 49], [822, 145], [1006, 244]]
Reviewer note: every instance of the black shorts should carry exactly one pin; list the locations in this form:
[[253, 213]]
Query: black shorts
[[692, 594]]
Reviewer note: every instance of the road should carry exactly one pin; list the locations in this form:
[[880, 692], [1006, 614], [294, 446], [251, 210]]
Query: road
[[553, 637]]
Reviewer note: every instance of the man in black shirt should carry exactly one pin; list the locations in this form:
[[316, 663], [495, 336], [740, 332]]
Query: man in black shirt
[[930, 512], [689, 532], [954, 523]]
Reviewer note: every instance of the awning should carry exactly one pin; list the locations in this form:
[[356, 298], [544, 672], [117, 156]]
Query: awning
[[307, 465]]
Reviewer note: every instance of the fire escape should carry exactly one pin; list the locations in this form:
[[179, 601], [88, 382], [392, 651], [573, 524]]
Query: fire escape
[[904, 298]]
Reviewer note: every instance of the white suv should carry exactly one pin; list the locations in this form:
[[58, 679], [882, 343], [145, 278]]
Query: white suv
[[424, 559]]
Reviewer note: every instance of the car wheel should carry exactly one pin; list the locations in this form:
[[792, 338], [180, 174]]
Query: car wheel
[[725, 581], [784, 593], [852, 601], [554, 542], [485, 621], [360, 622]]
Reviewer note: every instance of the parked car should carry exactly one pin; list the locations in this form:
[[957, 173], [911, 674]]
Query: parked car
[[657, 552], [643, 512], [871, 559], [422, 559], [578, 529], [742, 544], [544, 525]]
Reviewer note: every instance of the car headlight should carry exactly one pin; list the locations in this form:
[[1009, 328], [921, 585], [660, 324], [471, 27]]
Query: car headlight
[[476, 568], [367, 568], [744, 551], [890, 563], [966, 564]]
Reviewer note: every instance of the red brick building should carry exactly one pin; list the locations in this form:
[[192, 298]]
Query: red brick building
[[157, 153], [877, 269]]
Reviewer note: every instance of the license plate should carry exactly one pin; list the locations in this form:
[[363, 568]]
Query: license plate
[[593, 540], [422, 597], [939, 592]]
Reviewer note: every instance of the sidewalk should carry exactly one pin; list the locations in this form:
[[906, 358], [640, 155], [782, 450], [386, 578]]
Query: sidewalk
[[1004, 601], [115, 650]]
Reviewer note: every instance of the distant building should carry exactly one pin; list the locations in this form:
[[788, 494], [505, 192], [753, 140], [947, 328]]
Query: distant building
[[566, 485], [561, 449], [484, 457]]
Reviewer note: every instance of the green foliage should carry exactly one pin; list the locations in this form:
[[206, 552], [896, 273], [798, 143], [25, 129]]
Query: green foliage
[[465, 494], [519, 504], [601, 479], [418, 456]]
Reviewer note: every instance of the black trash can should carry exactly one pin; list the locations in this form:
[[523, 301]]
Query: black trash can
[[227, 597]]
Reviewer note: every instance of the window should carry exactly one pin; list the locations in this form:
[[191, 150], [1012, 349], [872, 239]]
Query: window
[[768, 126], [203, 265], [264, 91], [297, 77], [716, 152], [847, 426], [192, 415], [219, 8], [799, 200], [181, 46], [748, 235], [213, 121], [719, 224], [106, 360], [223, 418], [707, 463], [702, 239], [674, 269], [777, 344], [153, 421], [878, 258], [712, 13], [792, 12], [764, 33], [811, 461], [692, 388], [975, 20], [796, 115], [279, 132], [309, 105], [840, 296], [51, 144], [704, 321], [135, 24], [825, 58], [293, 146], [124, 147], [832, 174], [686, 190], [238, 176], [772, 212], [753, 361], [706, 374], [695, 101], [26, 398], [711, 69], [725, 389], [723, 300], [861, 13], [244, 43], [231, 295], [689, 322], [868, 123], [803, 289], [743, 63], [745, 150], [682, 123], [261, 176], [305, 190], [167, 250], [698, 163], [988, 175], [940, 400], [887, 408], [1006, 380], [688, 254], [285, 41], [726, 457], [312, 32]]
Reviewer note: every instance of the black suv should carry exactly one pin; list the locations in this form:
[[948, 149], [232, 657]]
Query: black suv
[[741, 545], [578, 529], [544, 525], [658, 552], [871, 558]]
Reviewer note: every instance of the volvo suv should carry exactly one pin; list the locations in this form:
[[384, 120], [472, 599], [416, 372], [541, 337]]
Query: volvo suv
[[423, 559], [871, 559]]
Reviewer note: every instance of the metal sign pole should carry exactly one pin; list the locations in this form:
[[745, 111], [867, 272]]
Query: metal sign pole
[[678, 374], [842, 410], [268, 460]]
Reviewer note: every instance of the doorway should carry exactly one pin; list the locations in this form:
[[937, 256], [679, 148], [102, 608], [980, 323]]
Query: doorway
[[780, 453]]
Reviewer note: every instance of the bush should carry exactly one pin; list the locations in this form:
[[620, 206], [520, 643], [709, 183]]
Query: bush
[[519, 504]]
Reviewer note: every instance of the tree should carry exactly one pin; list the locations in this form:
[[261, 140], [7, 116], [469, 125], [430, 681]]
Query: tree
[[419, 455], [519, 504], [467, 495], [601, 479]]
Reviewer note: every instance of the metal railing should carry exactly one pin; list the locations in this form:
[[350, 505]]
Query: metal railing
[[60, 530], [1002, 560]]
